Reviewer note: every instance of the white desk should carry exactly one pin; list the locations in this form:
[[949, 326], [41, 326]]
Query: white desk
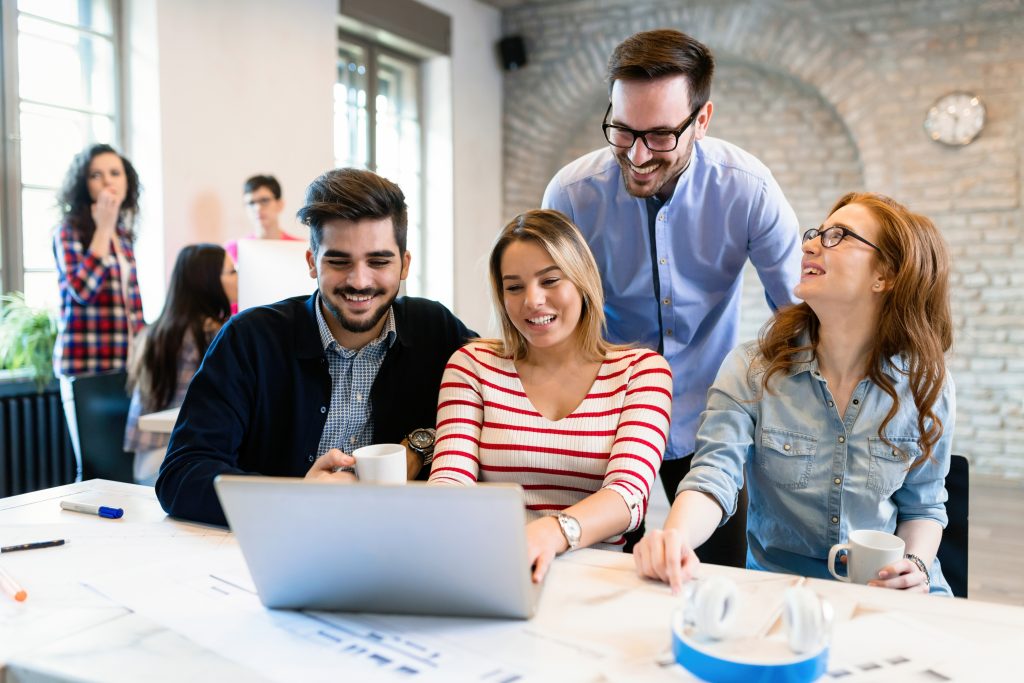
[[597, 621], [162, 422]]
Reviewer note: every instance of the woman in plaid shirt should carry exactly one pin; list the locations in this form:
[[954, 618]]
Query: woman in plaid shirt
[[101, 310]]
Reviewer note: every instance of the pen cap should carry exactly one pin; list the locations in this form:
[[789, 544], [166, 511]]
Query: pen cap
[[111, 513]]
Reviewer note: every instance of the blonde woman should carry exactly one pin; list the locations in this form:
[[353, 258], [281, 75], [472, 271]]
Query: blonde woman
[[579, 423]]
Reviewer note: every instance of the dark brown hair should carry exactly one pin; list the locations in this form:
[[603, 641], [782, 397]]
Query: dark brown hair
[[353, 194], [196, 304], [665, 52], [257, 181], [915, 321], [76, 204]]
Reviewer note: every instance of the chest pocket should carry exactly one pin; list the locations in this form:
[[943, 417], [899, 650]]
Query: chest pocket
[[785, 458], [888, 468]]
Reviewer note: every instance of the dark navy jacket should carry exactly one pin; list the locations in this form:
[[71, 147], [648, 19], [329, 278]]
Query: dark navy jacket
[[259, 401]]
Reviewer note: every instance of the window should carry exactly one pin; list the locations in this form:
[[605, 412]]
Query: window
[[377, 126], [60, 93]]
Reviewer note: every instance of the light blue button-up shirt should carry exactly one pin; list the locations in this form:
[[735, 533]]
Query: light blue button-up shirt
[[813, 476], [726, 208]]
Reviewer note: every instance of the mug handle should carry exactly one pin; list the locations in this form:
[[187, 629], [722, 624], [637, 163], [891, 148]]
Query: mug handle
[[835, 550]]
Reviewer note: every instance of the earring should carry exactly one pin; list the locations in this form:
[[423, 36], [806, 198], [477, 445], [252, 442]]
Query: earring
[[877, 286]]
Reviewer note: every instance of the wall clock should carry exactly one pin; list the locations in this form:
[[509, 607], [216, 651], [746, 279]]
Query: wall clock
[[955, 119]]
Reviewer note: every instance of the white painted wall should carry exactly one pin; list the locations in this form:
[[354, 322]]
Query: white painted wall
[[245, 86]]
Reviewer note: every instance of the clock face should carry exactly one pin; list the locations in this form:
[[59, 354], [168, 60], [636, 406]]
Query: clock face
[[955, 119]]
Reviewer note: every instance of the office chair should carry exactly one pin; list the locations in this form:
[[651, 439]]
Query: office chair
[[953, 548], [100, 411]]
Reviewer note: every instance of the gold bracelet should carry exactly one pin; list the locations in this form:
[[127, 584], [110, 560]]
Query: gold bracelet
[[920, 565]]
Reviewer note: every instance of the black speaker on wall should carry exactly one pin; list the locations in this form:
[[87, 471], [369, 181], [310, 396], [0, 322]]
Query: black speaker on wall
[[513, 52]]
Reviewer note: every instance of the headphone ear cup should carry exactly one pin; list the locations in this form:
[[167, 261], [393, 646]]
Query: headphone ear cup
[[715, 605], [803, 618]]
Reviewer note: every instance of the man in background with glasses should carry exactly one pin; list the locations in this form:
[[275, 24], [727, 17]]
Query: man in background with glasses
[[672, 216]]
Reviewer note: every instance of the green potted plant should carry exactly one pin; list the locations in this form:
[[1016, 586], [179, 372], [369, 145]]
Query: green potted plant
[[27, 336]]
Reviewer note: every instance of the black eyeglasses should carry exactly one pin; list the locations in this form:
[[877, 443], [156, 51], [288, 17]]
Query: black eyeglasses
[[833, 235], [656, 140]]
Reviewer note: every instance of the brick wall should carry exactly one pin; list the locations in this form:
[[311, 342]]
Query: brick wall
[[831, 95]]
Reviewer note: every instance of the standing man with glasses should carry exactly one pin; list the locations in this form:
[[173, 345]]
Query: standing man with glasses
[[672, 216]]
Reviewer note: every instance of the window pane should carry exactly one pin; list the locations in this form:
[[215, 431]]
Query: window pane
[[41, 289], [50, 137], [351, 126], [63, 66], [39, 216], [91, 14]]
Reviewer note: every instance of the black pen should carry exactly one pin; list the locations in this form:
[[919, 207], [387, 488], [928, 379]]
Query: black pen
[[32, 546]]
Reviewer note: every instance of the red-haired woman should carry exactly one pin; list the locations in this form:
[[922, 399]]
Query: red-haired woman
[[840, 416]]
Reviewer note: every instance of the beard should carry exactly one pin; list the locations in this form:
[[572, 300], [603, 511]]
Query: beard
[[667, 172], [363, 324]]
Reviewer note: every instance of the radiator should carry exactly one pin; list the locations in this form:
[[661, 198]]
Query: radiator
[[35, 449]]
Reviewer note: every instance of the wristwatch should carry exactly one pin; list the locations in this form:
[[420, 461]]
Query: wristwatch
[[570, 529], [422, 442]]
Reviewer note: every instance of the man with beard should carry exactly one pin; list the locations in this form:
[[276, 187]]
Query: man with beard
[[672, 216], [291, 389]]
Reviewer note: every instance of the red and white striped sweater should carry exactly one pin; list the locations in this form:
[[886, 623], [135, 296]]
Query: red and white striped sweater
[[488, 430]]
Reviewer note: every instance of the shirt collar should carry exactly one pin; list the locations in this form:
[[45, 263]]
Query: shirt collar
[[327, 340]]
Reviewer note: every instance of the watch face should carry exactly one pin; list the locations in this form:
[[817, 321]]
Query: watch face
[[955, 119], [422, 438]]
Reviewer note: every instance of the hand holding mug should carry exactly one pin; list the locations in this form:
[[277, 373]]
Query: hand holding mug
[[868, 554]]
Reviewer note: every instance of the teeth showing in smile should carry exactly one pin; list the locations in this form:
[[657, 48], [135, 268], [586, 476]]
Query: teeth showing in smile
[[811, 270], [541, 321], [643, 170], [358, 299]]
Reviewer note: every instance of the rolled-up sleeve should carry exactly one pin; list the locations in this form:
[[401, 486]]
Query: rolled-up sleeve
[[923, 494], [725, 438]]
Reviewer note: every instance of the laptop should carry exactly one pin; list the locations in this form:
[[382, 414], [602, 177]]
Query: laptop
[[271, 270], [398, 549]]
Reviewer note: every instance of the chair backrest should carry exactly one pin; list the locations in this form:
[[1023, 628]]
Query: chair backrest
[[101, 411], [953, 549]]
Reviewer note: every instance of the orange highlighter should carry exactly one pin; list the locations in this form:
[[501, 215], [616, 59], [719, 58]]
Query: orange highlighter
[[10, 586]]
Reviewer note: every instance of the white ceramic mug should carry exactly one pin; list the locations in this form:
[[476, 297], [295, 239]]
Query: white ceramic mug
[[382, 463], [866, 553]]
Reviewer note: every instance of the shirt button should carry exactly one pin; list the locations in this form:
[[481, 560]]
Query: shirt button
[[666, 301], [663, 261], [837, 481], [835, 520], [323, 409], [312, 458], [856, 401], [359, 397], [668, 333], [352, 439], [786, 447], [831, 404], [895, 452], [842, 439]]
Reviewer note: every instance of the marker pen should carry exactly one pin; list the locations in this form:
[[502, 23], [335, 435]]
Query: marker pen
[[10, 586], [101, 510]]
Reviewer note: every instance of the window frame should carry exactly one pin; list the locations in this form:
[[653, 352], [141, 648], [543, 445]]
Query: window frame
[[373, 49], [12, 247]]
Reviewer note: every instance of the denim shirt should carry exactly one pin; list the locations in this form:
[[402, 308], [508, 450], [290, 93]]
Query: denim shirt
[[813, 476]]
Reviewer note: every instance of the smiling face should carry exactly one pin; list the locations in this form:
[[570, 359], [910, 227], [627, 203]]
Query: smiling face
[[107, 174], [359, 270], [542, 303], [659, 104], [847, 274]]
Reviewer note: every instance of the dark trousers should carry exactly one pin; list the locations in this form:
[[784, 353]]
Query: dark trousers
[[728, 545]]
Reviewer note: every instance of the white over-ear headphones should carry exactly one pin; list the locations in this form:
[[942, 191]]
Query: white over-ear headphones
[[713, 603], [708, 615]]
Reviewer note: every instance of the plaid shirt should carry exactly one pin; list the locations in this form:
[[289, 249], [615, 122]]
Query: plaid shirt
[[93, 331], [350, 421]]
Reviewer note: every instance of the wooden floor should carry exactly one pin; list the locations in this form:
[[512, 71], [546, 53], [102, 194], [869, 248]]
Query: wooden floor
[[996, 538]]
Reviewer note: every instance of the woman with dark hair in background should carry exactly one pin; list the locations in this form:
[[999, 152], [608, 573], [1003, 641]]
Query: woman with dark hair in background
[[203, 286], [100, 309]]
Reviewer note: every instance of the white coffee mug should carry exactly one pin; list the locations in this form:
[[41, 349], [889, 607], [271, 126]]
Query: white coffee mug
[[382, 463], [866, 553]]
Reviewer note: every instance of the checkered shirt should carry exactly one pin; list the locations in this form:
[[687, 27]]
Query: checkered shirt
[[95, 320], [350, 420]]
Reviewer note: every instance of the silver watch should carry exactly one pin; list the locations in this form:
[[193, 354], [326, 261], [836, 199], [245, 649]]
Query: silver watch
[[571, 529], [422, 441]]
